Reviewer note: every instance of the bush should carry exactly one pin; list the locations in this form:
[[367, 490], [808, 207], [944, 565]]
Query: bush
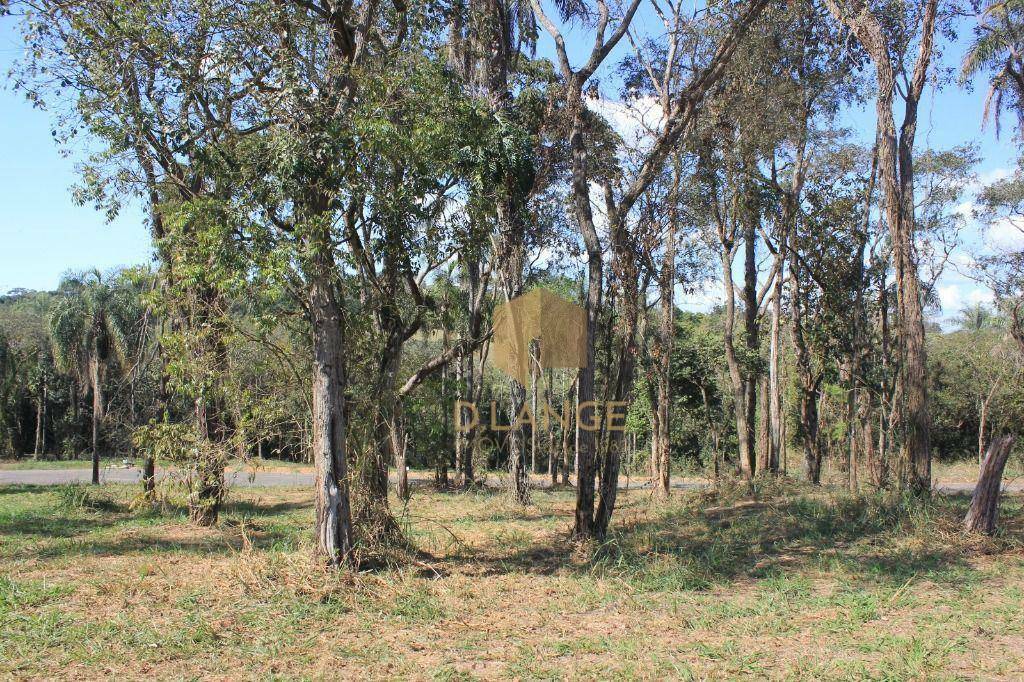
[[80, 497]]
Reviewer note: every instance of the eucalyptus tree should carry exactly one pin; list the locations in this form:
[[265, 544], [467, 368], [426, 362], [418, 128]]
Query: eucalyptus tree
[[887, 34], [752, 169], [825, 273], [619, 203], [91, 325]]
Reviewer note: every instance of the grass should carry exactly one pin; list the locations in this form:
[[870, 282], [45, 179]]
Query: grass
[[784, 582], [967, 470]]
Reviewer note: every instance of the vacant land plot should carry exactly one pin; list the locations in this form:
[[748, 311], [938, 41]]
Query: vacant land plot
[[785, 582]]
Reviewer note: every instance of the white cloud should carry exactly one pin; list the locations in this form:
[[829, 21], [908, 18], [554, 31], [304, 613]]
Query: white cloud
[[950, 299], [980, 295], [1006, 233], [962, 260], [633, 120], [966, 209], [954, 298], [986, 178], [994, 175]]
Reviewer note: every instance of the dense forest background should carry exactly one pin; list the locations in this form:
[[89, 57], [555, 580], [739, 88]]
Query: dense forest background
[[47, 403]]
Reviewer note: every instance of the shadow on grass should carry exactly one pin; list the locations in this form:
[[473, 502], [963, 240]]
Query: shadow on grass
[[244, 524], [696, 546], [24, 489], [259, 508]]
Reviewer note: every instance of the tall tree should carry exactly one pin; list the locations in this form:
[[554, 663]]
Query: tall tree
[[91, 325], [684, 103], [886, 41]]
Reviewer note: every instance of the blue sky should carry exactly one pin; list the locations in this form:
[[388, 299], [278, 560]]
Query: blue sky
[[44, 234]]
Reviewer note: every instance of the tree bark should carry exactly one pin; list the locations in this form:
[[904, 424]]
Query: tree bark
[[40, 419], [775, 414], [896, 172], [809, 382], [751, 334], [569, 431], [334, 536], [661, 420], [983, 515], [733, 363], [97, 411]]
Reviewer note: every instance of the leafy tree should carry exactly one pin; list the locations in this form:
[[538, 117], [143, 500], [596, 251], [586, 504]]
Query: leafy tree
[[998, 50], [92, 322], [975, 317]]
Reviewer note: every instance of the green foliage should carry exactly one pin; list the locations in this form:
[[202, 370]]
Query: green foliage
[[94, 322], [966, 369], [81, 497]]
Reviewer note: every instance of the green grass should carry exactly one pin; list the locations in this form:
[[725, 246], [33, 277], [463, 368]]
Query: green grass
[[788, 582]]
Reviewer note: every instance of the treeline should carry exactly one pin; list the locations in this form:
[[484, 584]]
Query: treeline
[[339, 193], [50, 404]]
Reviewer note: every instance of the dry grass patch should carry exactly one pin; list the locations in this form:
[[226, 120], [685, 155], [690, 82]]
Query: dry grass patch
[[780, 581]]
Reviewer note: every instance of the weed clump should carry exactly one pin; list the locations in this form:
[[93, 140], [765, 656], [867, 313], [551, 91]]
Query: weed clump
[[80, 497]]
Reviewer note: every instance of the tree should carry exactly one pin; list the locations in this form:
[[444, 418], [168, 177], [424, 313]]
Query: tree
[[975, 317], [684, 104], [886, 41], [998, 49], [91, 325]]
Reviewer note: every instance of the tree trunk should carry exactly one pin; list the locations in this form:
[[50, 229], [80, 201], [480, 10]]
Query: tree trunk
[[148, 477], [206, 479], [399, 447], [763, 428], [983, 515], [808, 382], [983, 419], [661, 418], [471, 380], [735, 373], [534, 380], [40, 420], [553, 454], [334, 536], [586, 449], [518, 438], [775, 415], [851, 425], [752, 334], [97, 413], [896, 172], [569, 431]]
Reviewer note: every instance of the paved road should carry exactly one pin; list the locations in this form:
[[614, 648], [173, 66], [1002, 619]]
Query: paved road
[[133, 475], [269, 479]]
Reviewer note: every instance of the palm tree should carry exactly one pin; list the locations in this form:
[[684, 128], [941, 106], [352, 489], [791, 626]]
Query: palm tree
[[998, 48], [90, 329]]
